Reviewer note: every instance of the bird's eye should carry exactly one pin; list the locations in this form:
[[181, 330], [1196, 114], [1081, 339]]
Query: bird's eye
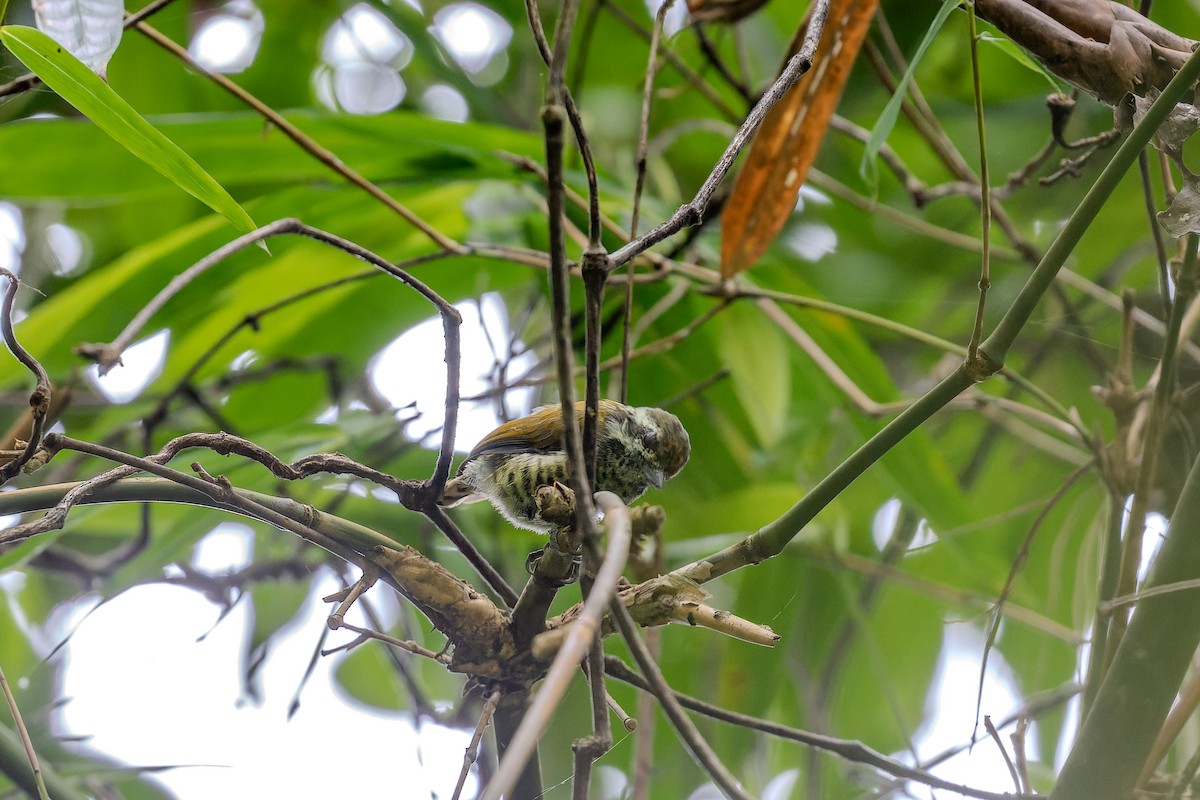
[[650, 440]]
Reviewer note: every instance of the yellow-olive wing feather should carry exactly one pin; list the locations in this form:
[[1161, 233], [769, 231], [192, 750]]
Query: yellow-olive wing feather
[[540, 432]]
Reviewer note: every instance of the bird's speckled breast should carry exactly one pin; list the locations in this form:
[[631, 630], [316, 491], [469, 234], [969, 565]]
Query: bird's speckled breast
[[619, 470], [513, 479]]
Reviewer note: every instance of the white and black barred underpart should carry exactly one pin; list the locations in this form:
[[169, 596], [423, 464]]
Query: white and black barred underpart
[[511, 482]]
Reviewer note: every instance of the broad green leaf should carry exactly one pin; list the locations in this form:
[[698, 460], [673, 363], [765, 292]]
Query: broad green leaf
[[886, 676], [274, 604], [369, 678], [70, 158], [737, 510], [757, 357], [19, 553], [83, 89]]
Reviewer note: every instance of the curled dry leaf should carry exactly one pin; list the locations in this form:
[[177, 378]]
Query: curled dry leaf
[[1181, 123], [1183, 215], [1105, 48], [786, 144]]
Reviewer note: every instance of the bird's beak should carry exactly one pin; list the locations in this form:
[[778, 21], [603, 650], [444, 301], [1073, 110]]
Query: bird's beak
[[655, 476]]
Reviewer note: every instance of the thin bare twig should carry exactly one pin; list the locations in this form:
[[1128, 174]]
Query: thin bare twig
[[995, 735], [39, 400], [709, 51], [639, 162], [1010, 582], [471, 754], [589, 748], [109, 355], [595, 274], [422, 706], [366, 634], [650, 348], [576, 120], [349, 595], [560, 289], [639, 186], [693, 78], [848, 749], [696, 389], [30, 753], [985, 192], [684, 727], [1156, 232]]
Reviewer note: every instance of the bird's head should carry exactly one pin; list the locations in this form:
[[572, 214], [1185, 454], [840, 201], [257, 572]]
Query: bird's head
[[659, 437]]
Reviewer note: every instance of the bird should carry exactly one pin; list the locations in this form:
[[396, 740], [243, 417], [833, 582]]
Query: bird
[[636, 448]]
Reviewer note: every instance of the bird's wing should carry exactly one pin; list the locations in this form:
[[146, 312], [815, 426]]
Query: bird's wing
[[540, 432]]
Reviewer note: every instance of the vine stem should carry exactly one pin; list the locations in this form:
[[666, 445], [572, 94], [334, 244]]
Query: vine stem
[[30, 753], [985, 192]]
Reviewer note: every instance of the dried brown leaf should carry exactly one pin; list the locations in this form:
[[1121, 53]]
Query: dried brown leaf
[[787, 142]]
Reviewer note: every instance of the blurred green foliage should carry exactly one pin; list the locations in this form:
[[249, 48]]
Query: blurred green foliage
[[770, 427]]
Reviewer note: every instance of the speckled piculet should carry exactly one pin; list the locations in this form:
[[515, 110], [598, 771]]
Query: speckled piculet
[[636, 448]]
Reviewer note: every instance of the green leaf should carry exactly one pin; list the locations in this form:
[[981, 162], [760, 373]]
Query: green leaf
[[69, 158], [757, 358], [367, 676], [83, 89], [887, 120]]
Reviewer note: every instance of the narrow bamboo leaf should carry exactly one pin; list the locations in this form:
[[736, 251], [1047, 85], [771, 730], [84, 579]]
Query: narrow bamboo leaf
[[89, 29], [887, 120], [786, 145], [1013, 51], [83, 89]]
